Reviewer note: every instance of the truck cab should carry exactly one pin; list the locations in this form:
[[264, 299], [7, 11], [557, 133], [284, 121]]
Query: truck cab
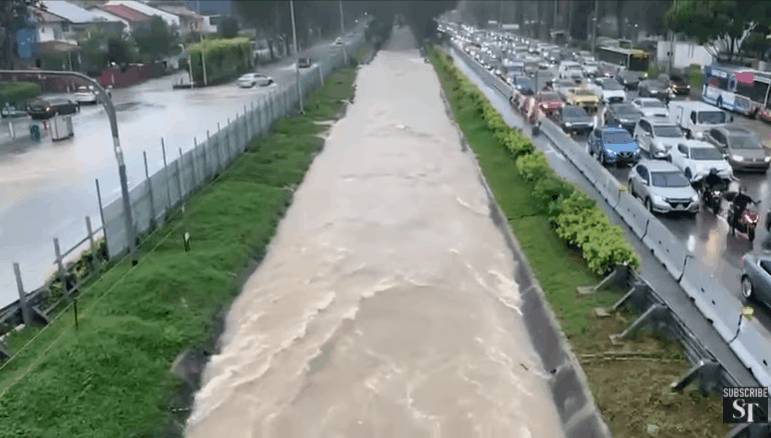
[[696, 118]]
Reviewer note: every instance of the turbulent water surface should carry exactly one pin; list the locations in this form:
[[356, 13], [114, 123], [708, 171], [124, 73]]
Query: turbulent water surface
[[385, 306]]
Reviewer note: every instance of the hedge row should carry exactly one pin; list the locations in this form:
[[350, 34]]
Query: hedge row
[[226, 58], [18, 93], [576, 218]]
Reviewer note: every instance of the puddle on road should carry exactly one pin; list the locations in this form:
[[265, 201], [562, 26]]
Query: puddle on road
[[386, 305]]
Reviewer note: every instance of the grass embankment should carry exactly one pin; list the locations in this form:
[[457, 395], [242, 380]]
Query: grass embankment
[[111, 377], [630, 382]]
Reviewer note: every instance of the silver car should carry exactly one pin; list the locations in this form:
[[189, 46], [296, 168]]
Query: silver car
[[657, 136], [662, 187], [756, 277], [741, 146]]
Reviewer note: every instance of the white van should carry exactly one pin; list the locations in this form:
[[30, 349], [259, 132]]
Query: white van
[[695, 118]]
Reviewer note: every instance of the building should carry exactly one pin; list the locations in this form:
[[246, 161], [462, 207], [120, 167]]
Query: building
[[189, 21], [211, 7], [131, 18], [170, 19], [67, 22]]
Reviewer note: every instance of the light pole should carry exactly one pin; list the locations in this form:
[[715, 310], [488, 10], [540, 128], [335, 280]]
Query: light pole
[[297, 57], [203, 60], [342, 32], [595, 22], [110, 110], [189, 66]]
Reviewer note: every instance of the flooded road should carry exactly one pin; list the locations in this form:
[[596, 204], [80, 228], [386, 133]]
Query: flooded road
[[385, 306]]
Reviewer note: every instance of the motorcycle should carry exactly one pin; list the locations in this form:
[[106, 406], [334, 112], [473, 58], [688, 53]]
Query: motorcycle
[[712, 199], [747, 223]]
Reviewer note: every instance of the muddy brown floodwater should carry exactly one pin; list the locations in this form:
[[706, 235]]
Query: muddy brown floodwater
[[385, 306]]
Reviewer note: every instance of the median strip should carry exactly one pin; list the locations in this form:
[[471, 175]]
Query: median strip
[[569, 242]]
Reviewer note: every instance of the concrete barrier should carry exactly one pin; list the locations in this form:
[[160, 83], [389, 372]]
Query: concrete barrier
[[752, 349], [710, 298], [633, 213], [666, 248]]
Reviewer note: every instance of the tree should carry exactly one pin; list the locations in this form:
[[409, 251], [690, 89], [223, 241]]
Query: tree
[[120, 50], [14, 15], [228, 27], [155, 39], [720, 25]]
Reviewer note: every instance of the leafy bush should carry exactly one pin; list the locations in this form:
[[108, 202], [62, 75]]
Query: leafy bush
[[551, 189], [518, 144], [225, 59], [18, 92], [533, 166]]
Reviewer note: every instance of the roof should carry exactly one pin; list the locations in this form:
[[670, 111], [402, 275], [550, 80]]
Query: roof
[[659, 121], [697, 144], [68, 11], [693, 105], [146, 9], [180, 11], [733, 129], [659, 166], [126, 13], [46, 17]]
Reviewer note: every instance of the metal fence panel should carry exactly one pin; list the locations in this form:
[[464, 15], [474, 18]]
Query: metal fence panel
[[159, 181], [141, 206], [115, 227]]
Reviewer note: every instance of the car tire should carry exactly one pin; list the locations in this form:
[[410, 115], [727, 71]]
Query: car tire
[[688, 173], [746, 288], [601, 158], [630, 188], [649, 205]]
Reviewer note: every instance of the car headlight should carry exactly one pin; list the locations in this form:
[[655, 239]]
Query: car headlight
[[657, 199], [767, 159], [610, 153], [698, 135], [737, 158], [694, 198], [568, 124]]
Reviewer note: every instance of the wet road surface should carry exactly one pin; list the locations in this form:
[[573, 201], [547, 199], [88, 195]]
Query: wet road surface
[[386, 305], [47, 189]]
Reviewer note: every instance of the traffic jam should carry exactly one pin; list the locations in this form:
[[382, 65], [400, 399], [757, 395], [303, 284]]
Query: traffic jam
[[682, 155]]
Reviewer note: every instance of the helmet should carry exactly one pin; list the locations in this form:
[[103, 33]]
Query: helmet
[[713, 171]]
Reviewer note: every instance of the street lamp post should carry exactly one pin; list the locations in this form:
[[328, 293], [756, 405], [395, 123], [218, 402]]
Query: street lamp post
[[342, 32], [203, 60], [189, 66], [297, 57], [110, 110]]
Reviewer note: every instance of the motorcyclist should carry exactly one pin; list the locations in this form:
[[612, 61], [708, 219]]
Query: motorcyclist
[[713, 181], [738, 205]]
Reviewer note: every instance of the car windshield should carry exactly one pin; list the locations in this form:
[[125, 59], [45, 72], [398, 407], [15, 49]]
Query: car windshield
[[706, 154], [610, 84], [567, 84], [524, 82], [617, 137], [668, 179], [653, 103], [583, 92], [573, 112], [655, 85], [712, 117], [746, 141], [83, 89], [58, 101], [549, 96], [670, 131], [625, 109]]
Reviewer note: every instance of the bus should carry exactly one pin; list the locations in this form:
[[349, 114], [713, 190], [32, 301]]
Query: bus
[[627, 59], [739, 89]]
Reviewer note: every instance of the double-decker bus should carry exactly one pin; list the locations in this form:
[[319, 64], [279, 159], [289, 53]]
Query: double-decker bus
[[626, 59], [738, 89]]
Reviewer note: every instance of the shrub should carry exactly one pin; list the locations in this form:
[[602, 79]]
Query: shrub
[[18, 93], [551, 189], [518, 144], [533, 166], [225, 59]]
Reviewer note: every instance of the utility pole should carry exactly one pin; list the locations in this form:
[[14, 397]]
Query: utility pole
[[297, 57], [203, 60], [342, 32], [596, 22], [556, 15]]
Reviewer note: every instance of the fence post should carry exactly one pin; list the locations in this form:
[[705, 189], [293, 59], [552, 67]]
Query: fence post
[[167, 176], [192, 166], [149, 191], [321, 74], [205, 161], [223, 163], [92, 243], [216, 151], [180, 178], [101, 215], [11, 130], [60, 267], [245, 119], [229, 128], [26, 316]]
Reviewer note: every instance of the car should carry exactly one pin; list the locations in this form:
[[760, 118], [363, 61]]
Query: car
[[9, 111], [651, 107], [85, 95], [338, 42], [756, 278], [628, 79], [612, 145], [697, 158], [570, 70], [574, 120], [41, 109], [678, 85], [304, 63], [608, 90], [250, 80], [582, 97], [741, 146], [591, 68], [662, 187], [563, 86], [624, 115], [657, 136], [548, 101], [652, 88], [523, 85]]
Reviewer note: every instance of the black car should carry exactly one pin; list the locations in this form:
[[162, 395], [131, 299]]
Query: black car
[[628, 79], [652, 88], [524, 85], [622, 114], [304, 63], [679, 85], [574, 120], [41, 109]]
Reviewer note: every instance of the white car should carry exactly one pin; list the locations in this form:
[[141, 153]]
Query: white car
[[570, 70], [338, 42], [696, 158], [651, 107], [591, 68], [85, 95], [250, 80], [658, 136], [608, 90]]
